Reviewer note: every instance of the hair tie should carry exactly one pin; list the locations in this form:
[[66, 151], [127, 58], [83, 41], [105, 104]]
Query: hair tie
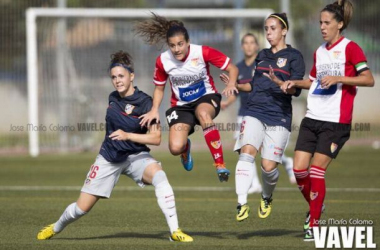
[[282, 20], [121, 65]]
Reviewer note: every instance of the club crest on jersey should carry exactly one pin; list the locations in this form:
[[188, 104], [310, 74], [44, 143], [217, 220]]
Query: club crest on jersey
[[214, 103], [216, 144], [194, 62], [333, 147], [281, 62], [129, 108], [313, 195], [336, 54]]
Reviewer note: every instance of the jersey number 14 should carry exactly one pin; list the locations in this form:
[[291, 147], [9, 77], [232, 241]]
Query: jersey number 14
[[172, 116]]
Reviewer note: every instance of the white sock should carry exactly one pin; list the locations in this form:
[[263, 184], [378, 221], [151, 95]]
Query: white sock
[[255, 177], [71, 214], [243, 176], [165, 199], [269, 181]]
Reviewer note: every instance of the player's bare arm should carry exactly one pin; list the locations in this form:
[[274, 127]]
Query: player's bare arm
[[153, 114], [153, 137], [364, 79]]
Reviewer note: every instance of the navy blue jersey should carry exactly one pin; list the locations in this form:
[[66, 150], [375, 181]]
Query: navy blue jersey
[[123, 113], [245, 76], [266, 101]]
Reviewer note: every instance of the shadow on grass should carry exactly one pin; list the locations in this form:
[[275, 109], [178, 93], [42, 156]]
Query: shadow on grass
[[215, 235], [161, 235], [267, 233]]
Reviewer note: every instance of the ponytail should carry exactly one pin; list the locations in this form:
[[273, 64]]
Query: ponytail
[[159, 29], [342, 11]]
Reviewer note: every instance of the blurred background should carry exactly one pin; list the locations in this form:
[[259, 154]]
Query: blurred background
[[74, 53]]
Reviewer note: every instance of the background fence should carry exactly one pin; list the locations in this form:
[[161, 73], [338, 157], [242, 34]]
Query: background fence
[[89, 42]]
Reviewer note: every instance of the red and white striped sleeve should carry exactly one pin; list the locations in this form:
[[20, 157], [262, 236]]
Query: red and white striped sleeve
[[215, 57], [160, 75], [313, 71]]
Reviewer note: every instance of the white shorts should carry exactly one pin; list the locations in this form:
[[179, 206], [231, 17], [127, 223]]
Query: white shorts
[[103, 175], [237, 131], [272, 139]]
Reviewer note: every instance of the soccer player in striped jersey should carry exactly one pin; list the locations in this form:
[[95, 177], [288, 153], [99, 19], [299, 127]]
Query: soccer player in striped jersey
[[267, 120], [123, 152], [340, 66], [194, 99]]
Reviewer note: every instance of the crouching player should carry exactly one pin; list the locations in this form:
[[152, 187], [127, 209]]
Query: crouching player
[[123, 151]]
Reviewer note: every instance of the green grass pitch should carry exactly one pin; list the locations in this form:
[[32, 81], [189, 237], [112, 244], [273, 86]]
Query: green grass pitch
[[131, 219]]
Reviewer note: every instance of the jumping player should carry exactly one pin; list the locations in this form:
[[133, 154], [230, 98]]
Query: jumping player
[[194, 99], [267, 120], [123, 151], [340, 66]]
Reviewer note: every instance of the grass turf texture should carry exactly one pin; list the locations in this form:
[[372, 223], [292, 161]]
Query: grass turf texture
[[133, 220]]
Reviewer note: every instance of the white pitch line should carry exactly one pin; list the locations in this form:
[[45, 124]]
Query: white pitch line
[[197, 189]]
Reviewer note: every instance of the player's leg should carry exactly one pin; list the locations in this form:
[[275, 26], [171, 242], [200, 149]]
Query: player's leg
[[180, 144], [331, 138], [181, 123], [72, 213], [144, 169], [304, 150], [318, 169], [274, 144], [100, 181], [269, 175], [76, 210], [301, 171], [178, 134], [249, 141], [207, 108], [256, 185], [244, 174]]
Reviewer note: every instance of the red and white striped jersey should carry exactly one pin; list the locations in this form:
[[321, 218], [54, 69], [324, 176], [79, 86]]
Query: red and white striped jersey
[[335, 104], [190, 78]]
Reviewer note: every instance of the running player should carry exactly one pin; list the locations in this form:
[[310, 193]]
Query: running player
[[246, 68], [123, 151], [267, 120], [340, 66], [194, 99]]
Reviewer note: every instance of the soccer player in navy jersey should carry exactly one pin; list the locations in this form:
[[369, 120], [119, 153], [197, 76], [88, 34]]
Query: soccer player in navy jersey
[[250, 48], [123, 151], [195, 99], [340, 66], [267, 120]]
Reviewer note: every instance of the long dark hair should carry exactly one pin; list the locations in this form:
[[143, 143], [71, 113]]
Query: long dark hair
[[342, 11], [158, 29]]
